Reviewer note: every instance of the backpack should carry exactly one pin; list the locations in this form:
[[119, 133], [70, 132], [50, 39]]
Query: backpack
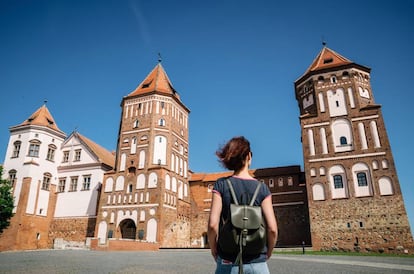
[[244, 232]]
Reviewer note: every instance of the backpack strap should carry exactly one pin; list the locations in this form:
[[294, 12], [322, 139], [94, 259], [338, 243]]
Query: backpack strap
[[232, 192], [259, 184]]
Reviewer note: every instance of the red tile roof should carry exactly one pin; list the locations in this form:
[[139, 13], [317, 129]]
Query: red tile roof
[[157, 80], [42, 117], [327, 58], [103, 155]]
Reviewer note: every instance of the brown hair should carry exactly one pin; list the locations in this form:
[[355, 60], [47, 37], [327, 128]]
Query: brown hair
[[233, 154]]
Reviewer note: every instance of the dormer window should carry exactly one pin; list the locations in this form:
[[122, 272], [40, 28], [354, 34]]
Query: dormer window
[[146, 85], [328, 60]]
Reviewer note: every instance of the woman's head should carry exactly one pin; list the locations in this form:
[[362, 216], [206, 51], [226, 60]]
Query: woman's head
[[233, 155]]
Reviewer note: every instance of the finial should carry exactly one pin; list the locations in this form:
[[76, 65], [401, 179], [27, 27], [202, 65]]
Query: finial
[[323, 41], [45, 102], [159, 57]]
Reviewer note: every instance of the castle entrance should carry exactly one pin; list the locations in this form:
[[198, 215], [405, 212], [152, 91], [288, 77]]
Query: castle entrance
[[128, 229]]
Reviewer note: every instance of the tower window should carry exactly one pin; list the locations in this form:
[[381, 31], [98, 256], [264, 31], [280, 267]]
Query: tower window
[[362, 179], [136, 124], [333, 79], [16, 149], [46, 181], [343, 140], [338, 183], [34, 148]]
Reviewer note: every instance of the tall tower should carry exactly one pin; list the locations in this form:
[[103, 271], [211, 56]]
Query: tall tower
[[147, 197], [31, 162], [355, 200]]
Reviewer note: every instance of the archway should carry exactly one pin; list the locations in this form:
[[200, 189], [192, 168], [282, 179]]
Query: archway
[[128, 229]]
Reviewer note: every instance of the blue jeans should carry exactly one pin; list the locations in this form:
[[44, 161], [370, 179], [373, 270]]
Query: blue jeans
[[227, 267]]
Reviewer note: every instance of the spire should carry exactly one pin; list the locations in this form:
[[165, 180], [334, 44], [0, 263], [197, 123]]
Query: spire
[[41, 117], [156, 81]]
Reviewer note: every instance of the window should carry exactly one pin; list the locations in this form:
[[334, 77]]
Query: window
[[136, 124], [77, 155], [343, 140], [62, 183], [12, 176], [16, 149], [271, 183], [73, 184], [86, 182], [34, 148], [280, 182], [161, 122], [162, 104], [333, 79], [327, 60], [362, 179], [290, 181], [65, 157], [51, 153], [46, 181], [338, 183]]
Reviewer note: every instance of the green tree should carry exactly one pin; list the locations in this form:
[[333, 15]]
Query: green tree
[[6, 202]]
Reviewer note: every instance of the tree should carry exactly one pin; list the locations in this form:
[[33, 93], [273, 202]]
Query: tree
[[6, 202]]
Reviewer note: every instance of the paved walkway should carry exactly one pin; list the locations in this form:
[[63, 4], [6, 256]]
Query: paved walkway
[[188, 262]]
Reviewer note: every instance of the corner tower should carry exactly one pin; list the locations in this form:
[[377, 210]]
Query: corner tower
[[355, 200], [146, 198]]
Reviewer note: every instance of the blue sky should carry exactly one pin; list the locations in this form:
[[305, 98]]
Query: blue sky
[[233, 62]]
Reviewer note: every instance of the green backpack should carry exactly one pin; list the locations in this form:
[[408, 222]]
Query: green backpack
[[244, 232]]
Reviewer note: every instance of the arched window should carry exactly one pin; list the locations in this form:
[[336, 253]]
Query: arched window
[[16, 149], [160, 150], [46, 181], [318, 192], [152, 180], [362, 180], [385, 186], [136, 124], [12, 177], [338, 182]]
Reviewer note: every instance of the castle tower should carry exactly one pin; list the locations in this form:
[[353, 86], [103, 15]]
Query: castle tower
[[355, 200], [147, 197], [31, 164]]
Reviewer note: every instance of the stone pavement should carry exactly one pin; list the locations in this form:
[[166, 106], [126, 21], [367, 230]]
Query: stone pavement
[[188, 262]]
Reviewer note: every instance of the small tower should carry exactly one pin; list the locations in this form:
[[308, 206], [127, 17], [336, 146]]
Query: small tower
[[355, 200], [31, 162], [147, 197]]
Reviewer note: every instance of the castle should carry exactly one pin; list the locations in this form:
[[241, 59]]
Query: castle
[[72, 193]]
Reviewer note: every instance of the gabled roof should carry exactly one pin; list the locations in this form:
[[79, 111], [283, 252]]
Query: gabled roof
[[41, 117], [156, 81], [103, 155]]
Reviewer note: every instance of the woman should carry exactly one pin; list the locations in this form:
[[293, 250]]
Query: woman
[[237, 156]]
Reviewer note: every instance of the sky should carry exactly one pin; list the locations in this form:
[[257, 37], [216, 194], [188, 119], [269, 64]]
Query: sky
[[234, 64]]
